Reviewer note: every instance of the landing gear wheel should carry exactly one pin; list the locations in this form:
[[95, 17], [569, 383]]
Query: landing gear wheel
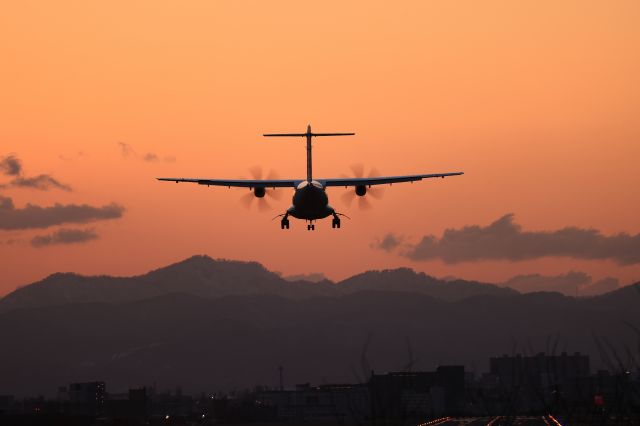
[[335, 223], [284, 224], [313, 227]]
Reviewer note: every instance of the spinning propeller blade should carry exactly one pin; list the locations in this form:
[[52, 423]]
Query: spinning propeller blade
[[358, 171], [249, 199]]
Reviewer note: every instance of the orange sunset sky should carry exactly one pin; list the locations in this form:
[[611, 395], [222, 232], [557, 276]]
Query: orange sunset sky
[[538, 102]]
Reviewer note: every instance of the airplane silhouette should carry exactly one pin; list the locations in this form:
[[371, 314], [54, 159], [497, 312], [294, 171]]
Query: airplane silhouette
[[310, 200]]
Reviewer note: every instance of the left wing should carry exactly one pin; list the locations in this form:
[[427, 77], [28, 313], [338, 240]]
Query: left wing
[[241, 183], [383, 179]]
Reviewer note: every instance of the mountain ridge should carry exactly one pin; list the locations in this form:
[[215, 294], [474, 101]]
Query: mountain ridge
[[203, 276]]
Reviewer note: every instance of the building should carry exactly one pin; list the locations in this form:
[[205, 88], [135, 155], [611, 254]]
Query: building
[[535, 383], [416, 395], [87, 398], [338, 404]]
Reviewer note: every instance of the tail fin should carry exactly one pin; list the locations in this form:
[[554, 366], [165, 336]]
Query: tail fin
[[308, 135]]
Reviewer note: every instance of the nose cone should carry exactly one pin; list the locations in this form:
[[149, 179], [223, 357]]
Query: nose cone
[[308, 128]]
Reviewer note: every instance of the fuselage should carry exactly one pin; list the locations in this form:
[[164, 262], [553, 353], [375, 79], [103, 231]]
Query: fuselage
[[310, 202]]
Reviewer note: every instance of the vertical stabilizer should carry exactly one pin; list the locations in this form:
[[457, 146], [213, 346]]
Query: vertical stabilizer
[[309, 162]]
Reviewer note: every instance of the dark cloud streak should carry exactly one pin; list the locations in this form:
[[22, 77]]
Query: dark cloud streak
[[64, 236], [33, 217], [10, 165], [41, 182], [388, 243], [126, 149], [505, 240], [150, 157]]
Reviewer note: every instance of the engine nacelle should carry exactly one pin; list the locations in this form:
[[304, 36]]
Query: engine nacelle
[[361, 190], [259, 191]]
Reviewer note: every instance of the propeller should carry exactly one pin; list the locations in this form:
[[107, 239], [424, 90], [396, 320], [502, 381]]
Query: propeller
[[358, 171], [259, 195]]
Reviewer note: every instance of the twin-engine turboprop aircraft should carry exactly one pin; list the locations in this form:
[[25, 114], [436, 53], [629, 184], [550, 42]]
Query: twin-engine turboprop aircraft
[[310, 200]]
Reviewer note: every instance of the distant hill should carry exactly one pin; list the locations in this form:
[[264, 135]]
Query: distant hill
[[206, 277], [407, 280]]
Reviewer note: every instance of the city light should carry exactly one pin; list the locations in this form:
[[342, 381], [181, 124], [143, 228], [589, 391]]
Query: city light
[[553, 419], [436, 421]]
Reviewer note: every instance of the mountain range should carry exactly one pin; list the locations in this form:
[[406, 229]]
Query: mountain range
[[209, 325], [205, 277]]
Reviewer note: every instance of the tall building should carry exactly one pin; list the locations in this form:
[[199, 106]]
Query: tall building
[[540, 369], [418, 394], [534, 383], [87, 398]]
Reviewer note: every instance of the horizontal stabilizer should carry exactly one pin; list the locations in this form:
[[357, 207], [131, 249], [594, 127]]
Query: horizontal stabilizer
[[305, 134]]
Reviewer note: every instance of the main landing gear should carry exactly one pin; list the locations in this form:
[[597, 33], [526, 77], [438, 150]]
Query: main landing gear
[[284, 223], [335, 222]]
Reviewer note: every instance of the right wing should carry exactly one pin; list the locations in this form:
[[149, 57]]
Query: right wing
[[239, 183], [383, 180]]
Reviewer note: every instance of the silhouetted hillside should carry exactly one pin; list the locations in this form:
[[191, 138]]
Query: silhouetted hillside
[[206, 277], [625, 298], [197, 275], [237, 341], [407, 280]]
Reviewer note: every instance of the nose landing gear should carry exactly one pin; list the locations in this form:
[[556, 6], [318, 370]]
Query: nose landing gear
[[311, 227]]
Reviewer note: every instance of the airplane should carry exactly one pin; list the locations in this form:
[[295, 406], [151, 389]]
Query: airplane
[[310, 200]]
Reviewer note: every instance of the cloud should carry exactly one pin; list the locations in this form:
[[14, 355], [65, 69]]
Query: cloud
[[604, 285], [10, 165], [41, 182], [388, 243], [126, 149], [11, 241], [64, 236], [150, 157], [566, 284], [77, 154], [569, 284], [505, 240], [32, 216]]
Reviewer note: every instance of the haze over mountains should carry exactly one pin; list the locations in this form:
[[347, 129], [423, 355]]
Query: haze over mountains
[[207, 324]]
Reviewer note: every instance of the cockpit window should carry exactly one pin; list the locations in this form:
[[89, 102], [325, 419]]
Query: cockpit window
[[304, 183]]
